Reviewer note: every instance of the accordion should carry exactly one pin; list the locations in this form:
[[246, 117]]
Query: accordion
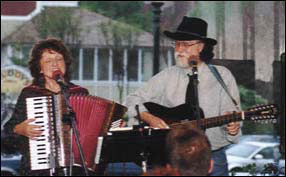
[[94, 117]]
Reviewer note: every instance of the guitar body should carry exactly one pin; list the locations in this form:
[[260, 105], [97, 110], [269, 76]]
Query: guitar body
[[173, 115]]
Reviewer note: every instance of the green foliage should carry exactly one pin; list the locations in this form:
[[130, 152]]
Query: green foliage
[[130, 12], [117, 34], [196, 11], [249, 98], [58, 22], [250, 168], [20, 61], [17, 49]]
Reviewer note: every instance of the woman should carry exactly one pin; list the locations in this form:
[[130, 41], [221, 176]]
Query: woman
[[47, 57]]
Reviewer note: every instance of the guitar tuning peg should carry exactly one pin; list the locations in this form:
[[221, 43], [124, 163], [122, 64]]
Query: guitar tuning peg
[[257, 121], [268, 121], [274, 121]]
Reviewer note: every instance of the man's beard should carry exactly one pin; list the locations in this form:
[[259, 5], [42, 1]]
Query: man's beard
[[183, 61]]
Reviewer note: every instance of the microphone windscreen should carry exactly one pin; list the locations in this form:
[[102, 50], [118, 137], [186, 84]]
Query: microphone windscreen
[[57, 75]]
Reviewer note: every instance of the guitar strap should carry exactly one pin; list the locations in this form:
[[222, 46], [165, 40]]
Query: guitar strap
[[222, 83]]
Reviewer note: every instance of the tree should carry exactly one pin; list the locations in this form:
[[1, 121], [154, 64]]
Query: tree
[[119, 36], [246, 96], [58, 22], [130, 12]]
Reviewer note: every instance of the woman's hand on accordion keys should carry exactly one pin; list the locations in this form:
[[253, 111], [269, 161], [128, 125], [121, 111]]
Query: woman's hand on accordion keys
[[28, 130]]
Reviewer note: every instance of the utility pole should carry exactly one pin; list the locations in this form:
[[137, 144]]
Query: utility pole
[[156, 23]]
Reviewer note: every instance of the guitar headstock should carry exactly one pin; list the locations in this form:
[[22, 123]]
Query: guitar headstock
[[263, 113]]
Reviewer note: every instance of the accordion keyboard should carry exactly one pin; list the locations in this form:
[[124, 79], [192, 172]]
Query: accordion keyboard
[[40, 147]]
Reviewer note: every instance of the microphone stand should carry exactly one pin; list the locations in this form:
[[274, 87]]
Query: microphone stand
[[194, 65], [71, 118], [143, 154]]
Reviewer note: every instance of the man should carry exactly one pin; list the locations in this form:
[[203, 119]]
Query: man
[[169, 87]]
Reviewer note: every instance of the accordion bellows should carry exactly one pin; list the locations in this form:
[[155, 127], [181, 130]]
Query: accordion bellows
[[93, 118]]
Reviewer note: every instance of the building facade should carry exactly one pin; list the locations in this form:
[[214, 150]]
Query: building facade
[[107, 69]]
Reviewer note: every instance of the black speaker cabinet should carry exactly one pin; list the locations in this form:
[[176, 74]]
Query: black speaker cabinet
[[282, 115]]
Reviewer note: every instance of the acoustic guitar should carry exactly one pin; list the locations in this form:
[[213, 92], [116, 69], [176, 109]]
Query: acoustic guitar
[[184, 114]]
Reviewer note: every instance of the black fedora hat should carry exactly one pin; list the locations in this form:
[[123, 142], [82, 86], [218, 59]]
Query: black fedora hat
[[191, 28]]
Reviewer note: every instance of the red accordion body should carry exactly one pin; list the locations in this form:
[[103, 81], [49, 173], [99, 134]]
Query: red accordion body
[[94, 116]]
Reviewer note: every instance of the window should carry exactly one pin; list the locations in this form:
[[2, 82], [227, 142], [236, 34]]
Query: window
[[132, 68], [147, 64], [118, 67], [75, 58], [26, 51], [88, 63], [267, 153], [163, 58], [242, 150], [103, 64]]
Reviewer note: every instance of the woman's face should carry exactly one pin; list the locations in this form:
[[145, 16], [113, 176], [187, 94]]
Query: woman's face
[[50, 62]]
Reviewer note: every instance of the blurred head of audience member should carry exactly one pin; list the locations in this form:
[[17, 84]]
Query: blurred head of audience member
[[189, 151]]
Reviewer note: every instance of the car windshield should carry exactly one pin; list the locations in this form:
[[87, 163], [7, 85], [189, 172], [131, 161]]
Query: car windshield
[[241, 150], [261, 138]]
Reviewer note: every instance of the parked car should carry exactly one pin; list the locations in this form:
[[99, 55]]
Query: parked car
[[257, 138], [257, 153]]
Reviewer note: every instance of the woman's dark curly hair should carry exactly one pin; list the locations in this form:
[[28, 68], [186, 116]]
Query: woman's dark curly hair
[[36, 54], [207, 54]]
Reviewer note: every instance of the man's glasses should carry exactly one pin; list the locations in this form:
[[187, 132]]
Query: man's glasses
[[186, 44]]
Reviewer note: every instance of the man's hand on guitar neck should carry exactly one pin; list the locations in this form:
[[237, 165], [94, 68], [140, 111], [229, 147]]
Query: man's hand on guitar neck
[[233, 127], [153, 121]]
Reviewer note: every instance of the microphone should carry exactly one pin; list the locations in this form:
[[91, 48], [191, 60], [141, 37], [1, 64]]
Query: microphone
[[194, 66], [58, 76]]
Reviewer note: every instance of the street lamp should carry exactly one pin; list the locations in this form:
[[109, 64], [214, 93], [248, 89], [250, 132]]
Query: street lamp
[[156, 26]]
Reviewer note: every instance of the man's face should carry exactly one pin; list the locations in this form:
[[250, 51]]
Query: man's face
[[187, 51], [50, 62]]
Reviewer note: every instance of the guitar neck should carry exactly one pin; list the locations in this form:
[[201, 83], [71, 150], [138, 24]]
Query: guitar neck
[[214, 121]]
